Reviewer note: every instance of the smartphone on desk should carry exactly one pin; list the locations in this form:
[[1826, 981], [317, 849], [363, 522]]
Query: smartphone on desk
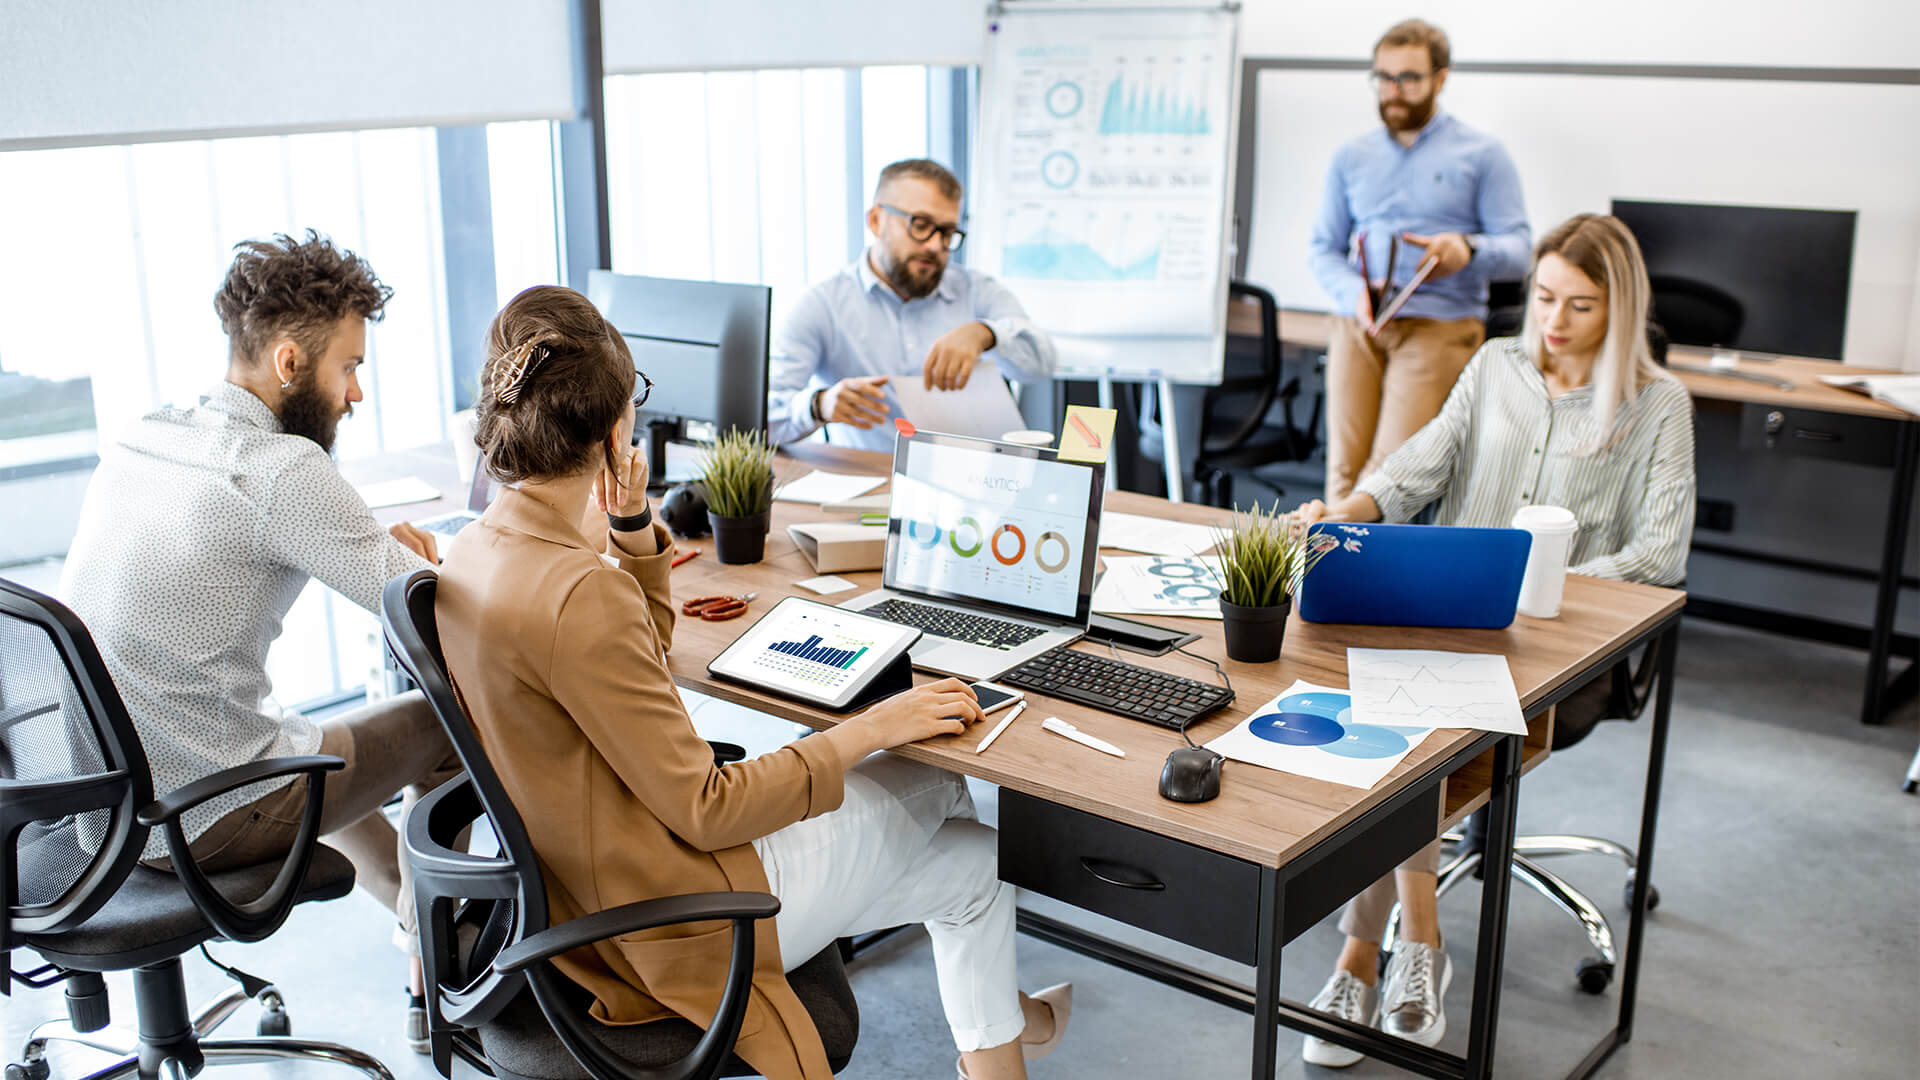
[[993, 697]]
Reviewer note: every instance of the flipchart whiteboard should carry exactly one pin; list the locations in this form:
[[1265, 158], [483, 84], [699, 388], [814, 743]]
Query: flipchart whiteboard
[[1105, 181]]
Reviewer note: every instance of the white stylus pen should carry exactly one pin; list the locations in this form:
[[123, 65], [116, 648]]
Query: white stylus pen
[[1000, 727], [1061, 727]]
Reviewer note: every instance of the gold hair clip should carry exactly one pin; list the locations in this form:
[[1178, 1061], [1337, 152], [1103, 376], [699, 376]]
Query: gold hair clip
[[511, 370]]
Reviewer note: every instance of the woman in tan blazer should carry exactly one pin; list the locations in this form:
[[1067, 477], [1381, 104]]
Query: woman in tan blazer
[[558, 646]]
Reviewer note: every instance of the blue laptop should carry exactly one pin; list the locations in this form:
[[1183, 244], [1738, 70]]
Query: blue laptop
[[1415, 575]]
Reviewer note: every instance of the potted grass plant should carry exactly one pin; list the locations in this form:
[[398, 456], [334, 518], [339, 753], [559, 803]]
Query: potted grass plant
[[737, 473], [1263, 558]]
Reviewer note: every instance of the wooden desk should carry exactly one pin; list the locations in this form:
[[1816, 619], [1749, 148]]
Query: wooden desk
[[1274, 853], [1244, 874], [1812, 419]]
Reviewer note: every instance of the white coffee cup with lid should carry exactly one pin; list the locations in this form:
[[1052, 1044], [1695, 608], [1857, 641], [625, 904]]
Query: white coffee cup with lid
[[1553, 529], [1029, 438]]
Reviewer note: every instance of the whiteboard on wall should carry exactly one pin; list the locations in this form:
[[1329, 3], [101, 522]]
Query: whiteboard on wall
[[1104, 181], [1581, 141]]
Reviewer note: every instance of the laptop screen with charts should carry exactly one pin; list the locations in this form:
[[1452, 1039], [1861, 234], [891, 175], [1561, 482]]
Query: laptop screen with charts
[[1003, 526], [991, 550], [1415, 575]]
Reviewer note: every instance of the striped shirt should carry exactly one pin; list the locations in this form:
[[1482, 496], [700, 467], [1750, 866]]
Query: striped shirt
[[1500, 443]]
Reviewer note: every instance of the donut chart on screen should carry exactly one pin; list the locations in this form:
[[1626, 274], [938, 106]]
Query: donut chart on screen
[[932, 537], [1040, 552], [1018, 553], [953, 538]]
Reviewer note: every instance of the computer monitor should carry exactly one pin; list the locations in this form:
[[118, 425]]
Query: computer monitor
[[704, 345], [1762, 278]]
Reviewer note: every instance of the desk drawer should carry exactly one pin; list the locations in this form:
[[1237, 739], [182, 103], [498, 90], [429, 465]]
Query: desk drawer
[[1164, 886], [1862, 440]]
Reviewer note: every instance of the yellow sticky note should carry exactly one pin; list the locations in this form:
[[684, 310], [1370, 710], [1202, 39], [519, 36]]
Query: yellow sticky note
[[1088, 433]]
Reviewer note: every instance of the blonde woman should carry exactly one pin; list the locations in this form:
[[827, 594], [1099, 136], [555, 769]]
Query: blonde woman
[[1573, 413]]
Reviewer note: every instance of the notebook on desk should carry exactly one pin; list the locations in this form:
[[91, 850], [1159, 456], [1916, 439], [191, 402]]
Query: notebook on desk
[[1416, 575]]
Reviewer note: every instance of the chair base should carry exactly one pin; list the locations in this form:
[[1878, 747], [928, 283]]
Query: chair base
[[1594, 973], [168, 1044]]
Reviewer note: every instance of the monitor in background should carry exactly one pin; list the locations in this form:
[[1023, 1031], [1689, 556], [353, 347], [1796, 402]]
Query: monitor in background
[[1761, 278], [704, 345]]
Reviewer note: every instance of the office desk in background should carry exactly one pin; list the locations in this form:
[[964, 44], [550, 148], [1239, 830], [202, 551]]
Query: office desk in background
[[1813, 420], [1242, 875]]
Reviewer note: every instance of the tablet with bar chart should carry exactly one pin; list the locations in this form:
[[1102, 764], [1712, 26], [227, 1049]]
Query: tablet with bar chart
[[813, 652]]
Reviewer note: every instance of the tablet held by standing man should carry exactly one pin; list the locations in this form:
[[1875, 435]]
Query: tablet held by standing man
[[1450, 196]]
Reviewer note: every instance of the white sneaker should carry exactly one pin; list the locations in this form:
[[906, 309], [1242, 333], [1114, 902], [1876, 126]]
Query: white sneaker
[[1346, 997], [1413, 994]]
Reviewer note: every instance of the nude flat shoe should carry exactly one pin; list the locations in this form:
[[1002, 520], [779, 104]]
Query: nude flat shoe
[[1058, 998]]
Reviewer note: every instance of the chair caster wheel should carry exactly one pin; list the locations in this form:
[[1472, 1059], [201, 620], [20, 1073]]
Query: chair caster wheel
[[1594, 975], [33, 1070], [1653, 896], [275, 1022]]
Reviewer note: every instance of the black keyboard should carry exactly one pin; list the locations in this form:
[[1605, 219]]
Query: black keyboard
[[1117, 687], [958, 625]]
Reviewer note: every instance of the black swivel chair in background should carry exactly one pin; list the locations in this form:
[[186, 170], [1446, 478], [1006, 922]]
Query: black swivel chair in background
[[493, 994], [1234, 434], [76, 804]]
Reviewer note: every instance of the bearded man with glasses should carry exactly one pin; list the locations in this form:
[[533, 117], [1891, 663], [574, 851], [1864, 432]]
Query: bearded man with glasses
[[1450, 194], [901, 310]]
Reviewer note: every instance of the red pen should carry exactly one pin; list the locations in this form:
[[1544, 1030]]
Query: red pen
[[678, 559]]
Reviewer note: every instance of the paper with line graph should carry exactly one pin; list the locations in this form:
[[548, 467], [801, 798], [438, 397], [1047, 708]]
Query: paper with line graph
[[1431, 689]]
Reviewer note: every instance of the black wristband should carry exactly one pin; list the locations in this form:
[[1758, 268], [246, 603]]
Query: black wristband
[[634, 523]]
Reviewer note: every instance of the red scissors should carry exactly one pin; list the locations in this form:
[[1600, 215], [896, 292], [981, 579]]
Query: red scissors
[[718, 608]]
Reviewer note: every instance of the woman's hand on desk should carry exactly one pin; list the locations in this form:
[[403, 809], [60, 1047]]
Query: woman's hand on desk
[[1358, 506], [946, 707]]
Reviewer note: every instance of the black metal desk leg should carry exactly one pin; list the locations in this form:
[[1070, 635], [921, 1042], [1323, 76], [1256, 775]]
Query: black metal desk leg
[[1490, 955], [1649, 819], [1266, 978], [1892, 561]]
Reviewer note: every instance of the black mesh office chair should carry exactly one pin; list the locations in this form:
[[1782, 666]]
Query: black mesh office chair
[[76, 805], [494, 997], [1234, 434]]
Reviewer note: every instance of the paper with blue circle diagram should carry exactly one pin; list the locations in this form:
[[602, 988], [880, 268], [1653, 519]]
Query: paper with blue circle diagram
[[1433, 689], [1157, 585], [1310, 731], [1105, 147]]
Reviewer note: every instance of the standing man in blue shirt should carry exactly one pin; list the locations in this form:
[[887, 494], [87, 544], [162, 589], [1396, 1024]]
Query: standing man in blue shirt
[[1453, 195], [899, 310]]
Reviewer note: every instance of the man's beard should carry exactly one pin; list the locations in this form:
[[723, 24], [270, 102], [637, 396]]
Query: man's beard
[[1417, 115], [305, 410], [913, 281]]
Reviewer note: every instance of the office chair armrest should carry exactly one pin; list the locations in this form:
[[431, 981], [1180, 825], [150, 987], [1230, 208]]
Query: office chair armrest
[[261, 916], [184, 798], [740, 907]]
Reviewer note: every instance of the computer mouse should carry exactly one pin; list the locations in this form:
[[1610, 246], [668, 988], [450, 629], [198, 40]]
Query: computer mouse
[[1192, 774]]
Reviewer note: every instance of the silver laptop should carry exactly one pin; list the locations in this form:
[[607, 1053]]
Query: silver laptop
[[991, 550], [479, 497]]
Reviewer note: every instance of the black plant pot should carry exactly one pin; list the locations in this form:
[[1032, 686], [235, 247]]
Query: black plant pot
[[1254, 634], [740, 540]]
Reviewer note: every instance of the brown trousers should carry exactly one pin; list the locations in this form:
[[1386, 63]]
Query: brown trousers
[[388, 746], [1380, 390]]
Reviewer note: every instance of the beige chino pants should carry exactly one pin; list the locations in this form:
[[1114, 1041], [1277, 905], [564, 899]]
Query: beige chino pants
[[1380, 390]]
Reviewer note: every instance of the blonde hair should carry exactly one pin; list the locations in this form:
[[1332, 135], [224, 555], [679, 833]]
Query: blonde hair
[[1603, 248]]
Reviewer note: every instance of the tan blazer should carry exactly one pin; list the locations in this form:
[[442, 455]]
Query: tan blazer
[[559, 654]]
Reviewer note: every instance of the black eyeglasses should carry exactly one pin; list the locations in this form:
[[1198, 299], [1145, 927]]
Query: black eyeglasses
[[1406, 80], [922, 229], [646, 387]]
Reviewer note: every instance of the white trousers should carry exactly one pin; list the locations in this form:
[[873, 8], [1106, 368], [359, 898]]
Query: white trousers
[[905, 847]]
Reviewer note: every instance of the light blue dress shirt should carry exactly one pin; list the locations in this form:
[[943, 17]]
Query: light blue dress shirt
[[1452, 179], [854, 324]]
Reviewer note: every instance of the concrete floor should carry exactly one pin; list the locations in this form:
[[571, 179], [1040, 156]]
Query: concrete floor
[[1787, 943]]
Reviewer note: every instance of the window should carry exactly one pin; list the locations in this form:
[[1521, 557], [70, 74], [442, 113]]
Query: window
[[106, 312], [759, 177]]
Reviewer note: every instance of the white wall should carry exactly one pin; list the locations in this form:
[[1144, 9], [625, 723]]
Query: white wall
[[1797, 33], [1580, 141]]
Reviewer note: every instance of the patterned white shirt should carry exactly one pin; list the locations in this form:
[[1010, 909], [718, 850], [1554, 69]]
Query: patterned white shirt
[[199, 529], [1500, 444]]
